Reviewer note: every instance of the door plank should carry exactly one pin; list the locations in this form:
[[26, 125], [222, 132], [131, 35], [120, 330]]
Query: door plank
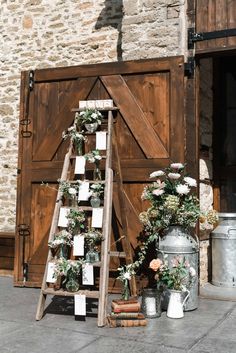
[[134, 117], [46, 150]]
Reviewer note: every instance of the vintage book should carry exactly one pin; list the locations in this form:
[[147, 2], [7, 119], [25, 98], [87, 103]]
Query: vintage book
[[121, 301], [131, 315], [126, 323], [132, 307]]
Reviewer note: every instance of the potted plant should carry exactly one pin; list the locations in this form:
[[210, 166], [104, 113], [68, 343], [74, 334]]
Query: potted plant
[[90, 118], [69, 270], [76, 137], [69, 191], [92, 238], [61, 240], [96, 191], [177, 278], [95, 157], [76, 221], [125, 274]]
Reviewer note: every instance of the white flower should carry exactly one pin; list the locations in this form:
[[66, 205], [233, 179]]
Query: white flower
[[98, 157], [158, 192], [182, 189], [190, 181], [177, 165], [156, 174], [174, 175], [72, 191], [192, 272], [127, 275]]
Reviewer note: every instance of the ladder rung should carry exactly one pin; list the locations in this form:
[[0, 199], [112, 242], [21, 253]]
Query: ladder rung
[[88, 293], [117, 254]]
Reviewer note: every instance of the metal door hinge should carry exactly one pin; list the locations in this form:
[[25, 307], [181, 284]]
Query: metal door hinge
[[189, 67], [31, 80], [194, 37]]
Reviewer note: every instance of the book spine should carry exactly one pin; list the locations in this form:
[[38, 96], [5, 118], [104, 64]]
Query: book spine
[[127, 316], [127, 323]]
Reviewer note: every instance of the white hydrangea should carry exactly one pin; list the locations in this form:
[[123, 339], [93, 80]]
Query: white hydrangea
[[174, 175], [177, 165], [72, 191], [182, 189], [190, 181], [157, 174]]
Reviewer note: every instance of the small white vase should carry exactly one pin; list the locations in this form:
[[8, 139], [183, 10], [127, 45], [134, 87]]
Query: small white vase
[[176, 304]]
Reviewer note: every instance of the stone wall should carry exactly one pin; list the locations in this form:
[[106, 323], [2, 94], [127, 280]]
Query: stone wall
[[52, 33]]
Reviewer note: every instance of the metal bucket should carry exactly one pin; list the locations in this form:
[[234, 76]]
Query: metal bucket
[[176, 242], [223, 251]]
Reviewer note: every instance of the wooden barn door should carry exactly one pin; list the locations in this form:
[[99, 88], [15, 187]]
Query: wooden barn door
[[150, 130], [216, 20]]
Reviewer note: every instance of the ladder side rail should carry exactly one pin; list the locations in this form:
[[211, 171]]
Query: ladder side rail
[[104, 270], [42, 297], [105, 257]]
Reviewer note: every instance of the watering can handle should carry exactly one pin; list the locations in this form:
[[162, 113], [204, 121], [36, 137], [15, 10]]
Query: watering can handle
[[186, 298]]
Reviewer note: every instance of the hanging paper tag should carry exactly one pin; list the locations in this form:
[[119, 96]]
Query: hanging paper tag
[[80, 304], [84, 191], [82, 104], [63, 220], [97, 216], [88, 278], [80, 165], [50, 273], [78, 247], [101, 140]]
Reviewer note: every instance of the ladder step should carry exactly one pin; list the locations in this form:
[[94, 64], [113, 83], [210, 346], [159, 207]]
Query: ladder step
[[117, 254], [88, 293]]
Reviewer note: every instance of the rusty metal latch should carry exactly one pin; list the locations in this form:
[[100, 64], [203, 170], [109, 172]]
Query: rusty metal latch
[[25, 122], [23, 230]]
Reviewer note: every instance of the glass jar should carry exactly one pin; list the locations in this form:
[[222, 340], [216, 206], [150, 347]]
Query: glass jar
[[72, 284], [97, 175], [151, 302], [95, 201], [92, 256]]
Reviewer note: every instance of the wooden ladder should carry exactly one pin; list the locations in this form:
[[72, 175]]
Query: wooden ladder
[[102, 293]]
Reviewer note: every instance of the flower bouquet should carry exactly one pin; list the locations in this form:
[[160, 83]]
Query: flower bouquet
[[76, 221], [90, 118], [95, 157], [96, 191], [173, 201], [69, 270], [125, 274], [76, 137]]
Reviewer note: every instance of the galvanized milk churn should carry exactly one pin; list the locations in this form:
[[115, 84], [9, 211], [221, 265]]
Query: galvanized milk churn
[[224, 251], [177, 242]]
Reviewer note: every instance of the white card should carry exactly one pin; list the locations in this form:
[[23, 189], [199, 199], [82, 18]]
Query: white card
[[101, 140], [97, 216], [88, 278], [63, 220], [78, 247], [84, 191], [82, 104], [50, 273], [91, 104], [80, 165], [80, 304]]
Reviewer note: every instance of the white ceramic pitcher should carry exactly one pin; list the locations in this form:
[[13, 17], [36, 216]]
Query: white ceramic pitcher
[[176, 304]]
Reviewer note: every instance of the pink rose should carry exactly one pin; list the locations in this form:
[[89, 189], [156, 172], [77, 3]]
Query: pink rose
[[155, 264]]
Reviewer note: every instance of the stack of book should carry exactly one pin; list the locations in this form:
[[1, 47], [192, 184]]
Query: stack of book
[[126, 313]]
